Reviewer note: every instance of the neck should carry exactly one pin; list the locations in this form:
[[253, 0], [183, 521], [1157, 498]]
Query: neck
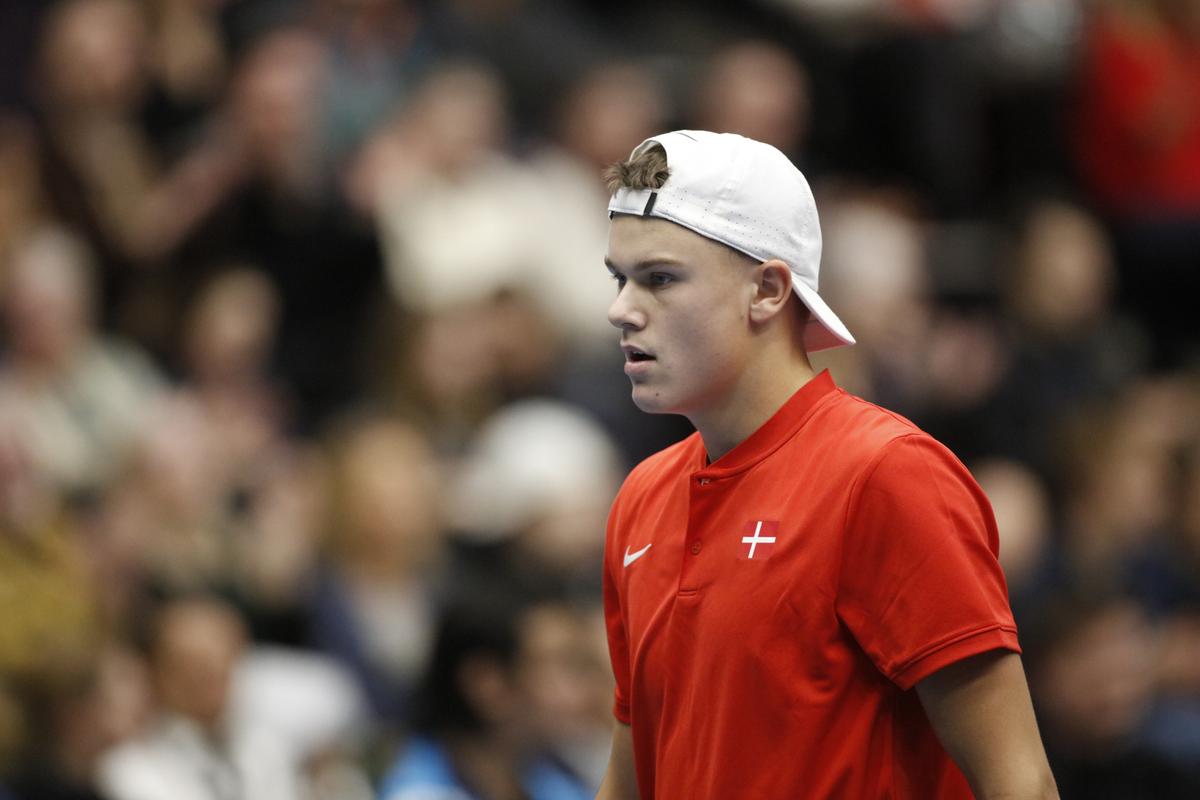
[[761, 391]]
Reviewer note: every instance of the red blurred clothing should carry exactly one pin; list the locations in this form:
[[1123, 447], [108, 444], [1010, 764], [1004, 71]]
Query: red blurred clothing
[[769, 613], [1137, 129]]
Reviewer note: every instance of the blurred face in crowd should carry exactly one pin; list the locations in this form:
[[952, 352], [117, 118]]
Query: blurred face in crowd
[[47, 300], [459, 115], [232, 326], [563, 668], [759, 90], [1065, 272], [1022, 510], [610, 111], [389, 486], [276, 95], [95, 54], [875, 268], [682, 309], [198, 646]]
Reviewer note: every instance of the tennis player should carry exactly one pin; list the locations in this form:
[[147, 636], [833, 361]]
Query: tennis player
[[803, 598]]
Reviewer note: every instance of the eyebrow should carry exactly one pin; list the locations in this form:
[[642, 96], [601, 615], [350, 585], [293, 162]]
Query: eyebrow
[[661, 261]]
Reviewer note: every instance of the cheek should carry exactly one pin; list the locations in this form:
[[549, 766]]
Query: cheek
[[712, 350]]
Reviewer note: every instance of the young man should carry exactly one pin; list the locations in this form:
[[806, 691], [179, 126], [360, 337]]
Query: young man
[[803, 598]]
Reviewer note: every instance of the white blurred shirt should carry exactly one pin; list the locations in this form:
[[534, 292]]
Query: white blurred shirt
[[174, 760]]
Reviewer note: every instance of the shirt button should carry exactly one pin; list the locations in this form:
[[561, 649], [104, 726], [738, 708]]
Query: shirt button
[[695, 548], [702, 481]]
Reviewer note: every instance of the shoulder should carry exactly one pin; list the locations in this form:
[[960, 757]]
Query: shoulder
[[860, 431], [866, 443]]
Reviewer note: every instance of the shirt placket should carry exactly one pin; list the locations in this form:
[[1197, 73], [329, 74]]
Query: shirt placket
[[703, 499]]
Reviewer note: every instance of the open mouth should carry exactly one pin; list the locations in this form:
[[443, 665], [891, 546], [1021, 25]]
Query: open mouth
[[634, 355]]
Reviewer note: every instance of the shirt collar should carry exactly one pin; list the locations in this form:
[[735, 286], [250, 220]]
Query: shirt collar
[[782, 425]]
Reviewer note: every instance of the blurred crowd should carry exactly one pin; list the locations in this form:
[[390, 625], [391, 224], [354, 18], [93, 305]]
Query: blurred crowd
[[310, 413]]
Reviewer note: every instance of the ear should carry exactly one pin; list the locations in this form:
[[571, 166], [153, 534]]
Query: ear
[[772, 289]]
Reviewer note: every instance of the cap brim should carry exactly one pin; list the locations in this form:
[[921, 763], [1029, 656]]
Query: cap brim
[[824, 330]]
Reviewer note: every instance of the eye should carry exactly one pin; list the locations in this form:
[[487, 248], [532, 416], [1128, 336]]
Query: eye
[[618, 277], [661, 279]]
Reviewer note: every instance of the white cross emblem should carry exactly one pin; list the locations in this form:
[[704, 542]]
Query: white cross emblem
[[755, 540]]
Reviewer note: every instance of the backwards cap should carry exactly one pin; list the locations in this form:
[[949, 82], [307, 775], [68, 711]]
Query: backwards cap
[[746, 195]]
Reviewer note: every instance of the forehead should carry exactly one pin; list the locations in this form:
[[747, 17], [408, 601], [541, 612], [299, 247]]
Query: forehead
[[632, 240]]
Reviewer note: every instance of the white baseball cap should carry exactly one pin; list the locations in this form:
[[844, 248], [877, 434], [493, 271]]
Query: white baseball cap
[[746, 195]]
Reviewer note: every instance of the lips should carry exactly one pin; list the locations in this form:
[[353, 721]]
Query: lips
[[636, 355]]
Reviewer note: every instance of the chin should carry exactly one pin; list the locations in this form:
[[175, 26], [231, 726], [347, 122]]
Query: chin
[[652, 401]]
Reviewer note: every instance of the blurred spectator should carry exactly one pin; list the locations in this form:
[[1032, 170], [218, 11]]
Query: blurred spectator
[[441, 174], [760, 90], [1138, 130], [76, 709], [875, 252], [189, 69], [377, 52], [22, 201], [570, 685], [1071, 348], [532, 494], [375, 601], [446, 374], [46, 607], [228, 335], [79, 396], [195, 749], [478, 732], [285, 216], [1137, 143], [1006, 384], [1119, 502], [312, 707], [535, 46], [169, 502], [1021, 503], [103, 173], [1092, 677], [279, 517], [537, 483]]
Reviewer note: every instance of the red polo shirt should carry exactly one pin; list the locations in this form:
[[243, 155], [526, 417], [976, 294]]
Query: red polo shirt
[[768, 614]]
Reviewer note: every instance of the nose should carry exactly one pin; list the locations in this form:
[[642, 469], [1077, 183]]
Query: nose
[[624, 312]]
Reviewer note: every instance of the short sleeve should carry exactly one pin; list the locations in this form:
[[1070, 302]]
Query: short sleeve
[[614, 622], [920, 586]]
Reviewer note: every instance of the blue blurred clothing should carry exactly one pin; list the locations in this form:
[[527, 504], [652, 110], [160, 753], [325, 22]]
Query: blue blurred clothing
[[423, 771]]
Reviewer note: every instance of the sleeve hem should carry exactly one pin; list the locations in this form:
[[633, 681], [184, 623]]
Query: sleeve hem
[[621, 712], [1002, 637]]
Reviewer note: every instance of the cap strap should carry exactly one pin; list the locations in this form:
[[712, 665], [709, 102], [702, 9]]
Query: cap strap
[[650, 204]]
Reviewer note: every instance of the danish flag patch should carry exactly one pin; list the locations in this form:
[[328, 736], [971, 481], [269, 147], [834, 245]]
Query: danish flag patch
[[758, 539]]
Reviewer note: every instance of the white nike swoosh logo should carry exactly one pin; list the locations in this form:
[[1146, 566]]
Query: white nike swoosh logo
[[632, 557]]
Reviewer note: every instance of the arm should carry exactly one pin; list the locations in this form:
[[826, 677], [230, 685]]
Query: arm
[[620, 781], [981, 711]]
